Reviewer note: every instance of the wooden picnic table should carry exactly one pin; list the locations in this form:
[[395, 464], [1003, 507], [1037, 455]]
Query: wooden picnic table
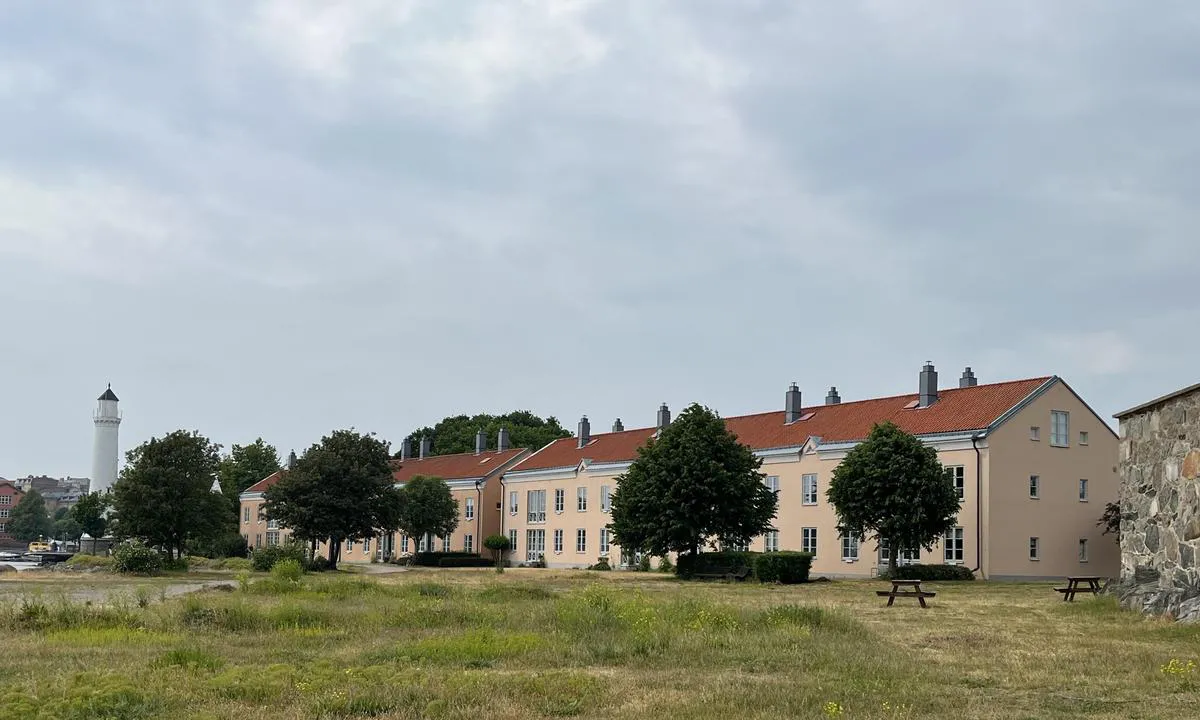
[[1075, 584], [896, 592]]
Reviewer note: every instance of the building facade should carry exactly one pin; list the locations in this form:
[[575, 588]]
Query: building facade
[[1159, 464], [1033, 463], [474, 480], [10, 495]]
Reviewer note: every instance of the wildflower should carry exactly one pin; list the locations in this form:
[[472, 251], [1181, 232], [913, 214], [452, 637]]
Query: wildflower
[[832, 709]]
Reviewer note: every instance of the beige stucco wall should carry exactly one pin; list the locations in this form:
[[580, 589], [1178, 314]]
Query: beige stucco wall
[[570, 520], [1057, 518]]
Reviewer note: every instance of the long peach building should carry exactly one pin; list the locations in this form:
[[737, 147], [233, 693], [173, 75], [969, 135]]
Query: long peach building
[[1033, 465]]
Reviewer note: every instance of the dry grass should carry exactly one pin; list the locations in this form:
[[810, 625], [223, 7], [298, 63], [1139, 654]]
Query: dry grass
[[537, 643]]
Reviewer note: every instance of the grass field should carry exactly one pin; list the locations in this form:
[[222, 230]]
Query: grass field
[[537, 643]]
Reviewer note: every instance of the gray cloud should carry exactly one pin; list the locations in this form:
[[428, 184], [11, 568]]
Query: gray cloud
[[282, 217]]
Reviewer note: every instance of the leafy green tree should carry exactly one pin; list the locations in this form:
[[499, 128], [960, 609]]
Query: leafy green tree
[[89, 512], [29, 519], [164, 495], [65, 528], [892, 486], [456, 434], [498, 544], [427, 508], [61, 513], [1110, 520], [694, 482], [340, 489], [244, 466]]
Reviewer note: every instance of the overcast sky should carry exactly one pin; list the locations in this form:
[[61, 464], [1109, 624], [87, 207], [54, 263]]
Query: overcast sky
[[286, 217]]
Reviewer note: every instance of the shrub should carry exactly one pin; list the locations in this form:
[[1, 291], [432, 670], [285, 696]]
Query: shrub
[[787, 568], [135, 558], [287, 571], [264, 558], [318, 564], [88, 561], [689, 565], [433, 559], [238, 564], [498, 544], [930, 572], [644, 564], [665, 565], [461, 562], [601, 564], [179, 564]]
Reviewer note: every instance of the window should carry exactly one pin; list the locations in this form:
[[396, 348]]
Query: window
[[810, 490], [470, 513], [258, 540], [245, 511], [349, 543], [425, 544], [736, 547], [535, 545], [772, 483], [560, 500], [468, 543], [1035, 486], [958, 474], [367, 546], [771, 541], [849, 548], [272, 537], [1083, 550], [952, 546], [581, 540], [512, 540], [558, 540], [1083, 495], [604, 541], [512, 503], [3, 512], [262, 515], [605, 499], [535, 506], [1035, 433], [581, 499], [1083, 437], [7, 500], [404, 544], [808, 540], [911, 556], [3, 526], [446, 544], [272, 524], [1033, 548], [1060, 428]]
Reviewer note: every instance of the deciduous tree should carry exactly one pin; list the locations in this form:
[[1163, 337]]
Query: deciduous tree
[[693, 482], [164, 495], [244, 466], [89, 512], [427, 508], [340, 489], [892, 486], [456, 434], [29, 519]]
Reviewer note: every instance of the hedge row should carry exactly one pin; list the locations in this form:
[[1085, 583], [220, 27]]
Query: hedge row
[[461, 562], [706, 562], [930, 572], [434, 559], [787, 568]]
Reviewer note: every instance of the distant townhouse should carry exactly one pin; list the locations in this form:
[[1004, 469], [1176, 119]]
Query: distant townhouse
[[10, 495], [1032, 463], [474, 480]]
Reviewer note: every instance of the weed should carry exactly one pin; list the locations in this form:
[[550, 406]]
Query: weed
[[190, 659]]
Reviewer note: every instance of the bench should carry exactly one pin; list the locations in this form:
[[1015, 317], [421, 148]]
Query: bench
[[1079, 584], [724, 573], [916, 592]]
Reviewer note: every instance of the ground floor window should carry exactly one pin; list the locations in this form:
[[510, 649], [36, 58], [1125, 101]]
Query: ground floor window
[[404, 544], [535, 545], [808, 540], [558, 541], [272, 537], [952, 546], [512, 541], [581, 540], [1034, 548], [771, 541], [603, 541], [1083, 551], [849, 547], [446, 544], [468, 543]]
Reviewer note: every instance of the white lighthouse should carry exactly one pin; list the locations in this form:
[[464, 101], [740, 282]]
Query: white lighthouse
[[104, 453]]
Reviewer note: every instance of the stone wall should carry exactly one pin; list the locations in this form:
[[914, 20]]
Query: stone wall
[[1160, 507]]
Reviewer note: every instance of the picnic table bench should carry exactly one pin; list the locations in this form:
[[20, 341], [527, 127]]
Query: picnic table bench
[[915, 592], [730, 572], [1075, 584]]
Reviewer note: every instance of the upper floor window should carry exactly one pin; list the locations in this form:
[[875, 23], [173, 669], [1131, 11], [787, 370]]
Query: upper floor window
[[958, 475], [772, 483], [560, 500], [1035, 433], [1083, 490], [512, 503], [5, 499], [470, 513], [245, 513], [1083, 437], [535, 506], [581, 499], [605, 499], [1060, 428], [1035, 486], [810, 490], [1083, 552]]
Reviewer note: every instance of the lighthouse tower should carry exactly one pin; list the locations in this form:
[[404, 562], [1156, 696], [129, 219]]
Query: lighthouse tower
[[104, 453]]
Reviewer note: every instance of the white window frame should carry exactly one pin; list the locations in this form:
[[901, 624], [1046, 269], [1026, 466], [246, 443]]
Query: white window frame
[[604, 542], [366, 546], [272, 538], [245, 510], [605, 499], [1035, 549], [469, 511], [558, 541], [7, 500], [958, 473], [404, 544], [581, 499], [468, 543], [512, 541], [446, 544], [581, 541], [954, 546], [514, 498], [771, 541], [772, 483], [808, 540], [1083, 437], [1083, 490], [1035, 433], [1083, 550], [4, 512], [535, 506], [1035, 487], [560, 500], [535, 544], [809, 486], [1060, 436], [349, 543], [850, 548]]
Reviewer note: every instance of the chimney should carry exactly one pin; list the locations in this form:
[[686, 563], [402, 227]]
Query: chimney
[[424, 447], [291, 460], [791, 405], [502, 441], [480, 442], [929, 386], [664, 417], [833, 398], [968, 379], [618, 426], [585, 431], [406, 448]]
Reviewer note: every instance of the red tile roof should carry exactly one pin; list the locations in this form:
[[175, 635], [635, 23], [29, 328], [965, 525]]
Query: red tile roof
[[957, 410], [454, 467], [265, 483]]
